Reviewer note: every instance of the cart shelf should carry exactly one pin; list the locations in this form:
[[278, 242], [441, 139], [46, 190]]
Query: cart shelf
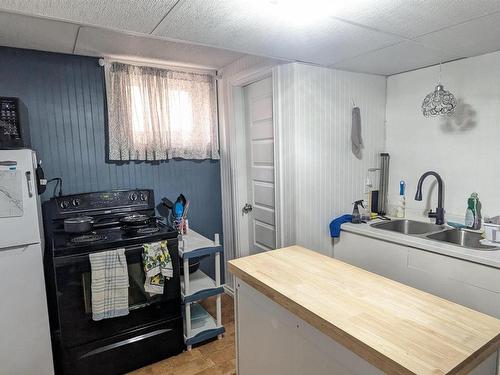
[[201, 286], [195, 245], [203, 326], [199, 325]]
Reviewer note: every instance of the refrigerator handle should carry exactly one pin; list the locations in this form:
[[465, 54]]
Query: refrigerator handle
[[28, 181]]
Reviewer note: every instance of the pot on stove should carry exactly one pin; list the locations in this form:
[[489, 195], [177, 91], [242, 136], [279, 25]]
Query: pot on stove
[[78, 224]]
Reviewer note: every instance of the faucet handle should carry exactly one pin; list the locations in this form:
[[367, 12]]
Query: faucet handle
[[432, 214]]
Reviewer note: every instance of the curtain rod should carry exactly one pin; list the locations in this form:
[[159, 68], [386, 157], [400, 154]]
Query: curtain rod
[[159, 65]]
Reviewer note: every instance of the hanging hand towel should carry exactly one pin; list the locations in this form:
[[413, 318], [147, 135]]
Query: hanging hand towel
[[157, 266], [109, 284], [356, 139]]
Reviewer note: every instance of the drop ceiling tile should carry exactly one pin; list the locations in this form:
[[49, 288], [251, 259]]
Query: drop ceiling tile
[[396, 59], [412, 18], [36, 33], [467, 39], [130, 15], [100, 42], [252, 27]]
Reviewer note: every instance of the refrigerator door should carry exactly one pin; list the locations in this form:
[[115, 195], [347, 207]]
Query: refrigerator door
[[20, 210], [25, 346]]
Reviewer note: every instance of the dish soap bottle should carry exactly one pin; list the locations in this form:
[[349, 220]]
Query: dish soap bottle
[[356, 216], [401, 208], [473, 212]]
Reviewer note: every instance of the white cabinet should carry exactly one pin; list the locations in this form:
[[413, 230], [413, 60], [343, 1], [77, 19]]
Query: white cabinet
[[383, 258], [469, 284]]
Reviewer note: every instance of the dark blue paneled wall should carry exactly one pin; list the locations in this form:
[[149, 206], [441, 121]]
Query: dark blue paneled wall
[[65, 102]]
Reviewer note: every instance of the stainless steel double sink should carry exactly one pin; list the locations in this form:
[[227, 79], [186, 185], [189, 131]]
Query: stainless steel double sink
[[440, 233]]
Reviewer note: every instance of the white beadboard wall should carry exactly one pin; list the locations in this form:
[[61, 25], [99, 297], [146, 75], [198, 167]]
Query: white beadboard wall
[[462, 148], [284, 121], [321, 176]]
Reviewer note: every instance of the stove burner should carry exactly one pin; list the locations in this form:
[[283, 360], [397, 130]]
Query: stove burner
[[140, 230], [86, 238], [147, 230]]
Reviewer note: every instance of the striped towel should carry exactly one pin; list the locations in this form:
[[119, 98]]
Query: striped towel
[[109, 284], [157, 266]]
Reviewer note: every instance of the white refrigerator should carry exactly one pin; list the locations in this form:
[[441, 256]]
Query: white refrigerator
[[25, 346]]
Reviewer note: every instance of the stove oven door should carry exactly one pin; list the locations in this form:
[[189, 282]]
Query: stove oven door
[[74, 293]]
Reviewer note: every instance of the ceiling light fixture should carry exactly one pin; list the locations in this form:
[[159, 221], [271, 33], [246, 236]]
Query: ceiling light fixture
[[439, 102]]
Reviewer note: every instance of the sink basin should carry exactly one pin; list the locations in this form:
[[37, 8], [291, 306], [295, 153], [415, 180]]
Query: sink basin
[[461, 238], [436, 232], [408, 226]]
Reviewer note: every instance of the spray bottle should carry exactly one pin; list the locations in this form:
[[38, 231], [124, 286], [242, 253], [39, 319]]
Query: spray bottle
[[356, 216]]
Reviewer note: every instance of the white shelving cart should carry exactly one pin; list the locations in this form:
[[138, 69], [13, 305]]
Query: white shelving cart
[[199, 325]]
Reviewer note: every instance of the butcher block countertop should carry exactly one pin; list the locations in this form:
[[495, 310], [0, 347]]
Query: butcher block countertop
[[399, 329]]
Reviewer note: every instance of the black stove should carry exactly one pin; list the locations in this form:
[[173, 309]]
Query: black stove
[[153, 328]]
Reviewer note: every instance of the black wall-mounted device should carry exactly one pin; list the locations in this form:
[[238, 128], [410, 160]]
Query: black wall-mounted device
[[12, 135]]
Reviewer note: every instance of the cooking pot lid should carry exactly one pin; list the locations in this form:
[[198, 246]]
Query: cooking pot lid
[[79, 220]]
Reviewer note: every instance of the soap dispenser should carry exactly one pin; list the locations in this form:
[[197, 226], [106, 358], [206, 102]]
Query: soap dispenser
[[356, 216], [473, 212]]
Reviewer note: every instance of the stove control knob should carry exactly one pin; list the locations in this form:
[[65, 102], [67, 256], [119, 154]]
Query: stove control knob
[[64, 204], [75, 202], [143, 197], [133, 197]]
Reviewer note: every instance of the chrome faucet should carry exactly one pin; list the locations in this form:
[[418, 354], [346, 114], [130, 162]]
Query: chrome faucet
[[439, 214]]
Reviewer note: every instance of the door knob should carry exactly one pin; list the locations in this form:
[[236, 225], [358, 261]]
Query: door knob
[[247, 208]]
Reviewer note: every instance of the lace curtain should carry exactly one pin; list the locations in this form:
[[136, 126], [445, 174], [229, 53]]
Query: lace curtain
[[158, 114]]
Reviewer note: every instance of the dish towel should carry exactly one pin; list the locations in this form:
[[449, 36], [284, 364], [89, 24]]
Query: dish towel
[[337, 222], [356, 139], [109, 285], [157, 266]]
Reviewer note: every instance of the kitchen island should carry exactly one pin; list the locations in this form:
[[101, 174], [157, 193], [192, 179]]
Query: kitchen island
[[300, 312]]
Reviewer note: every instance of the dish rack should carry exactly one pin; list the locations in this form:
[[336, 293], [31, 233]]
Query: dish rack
[[199, 325]]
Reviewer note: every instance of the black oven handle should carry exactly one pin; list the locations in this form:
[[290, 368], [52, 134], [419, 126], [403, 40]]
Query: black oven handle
[[115, 345], [75, 259]]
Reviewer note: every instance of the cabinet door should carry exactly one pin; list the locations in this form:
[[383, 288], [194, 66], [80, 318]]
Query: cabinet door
[[380, 257]]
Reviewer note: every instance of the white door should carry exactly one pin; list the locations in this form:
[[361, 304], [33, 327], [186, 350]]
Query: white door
[[20, 213], [260, 166]]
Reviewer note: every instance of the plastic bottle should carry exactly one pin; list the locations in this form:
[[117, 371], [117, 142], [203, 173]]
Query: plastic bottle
[[401, 207], [367, 202], [356, 216], [473, 213]]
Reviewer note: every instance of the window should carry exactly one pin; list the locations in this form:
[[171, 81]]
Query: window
[[158, 114]]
